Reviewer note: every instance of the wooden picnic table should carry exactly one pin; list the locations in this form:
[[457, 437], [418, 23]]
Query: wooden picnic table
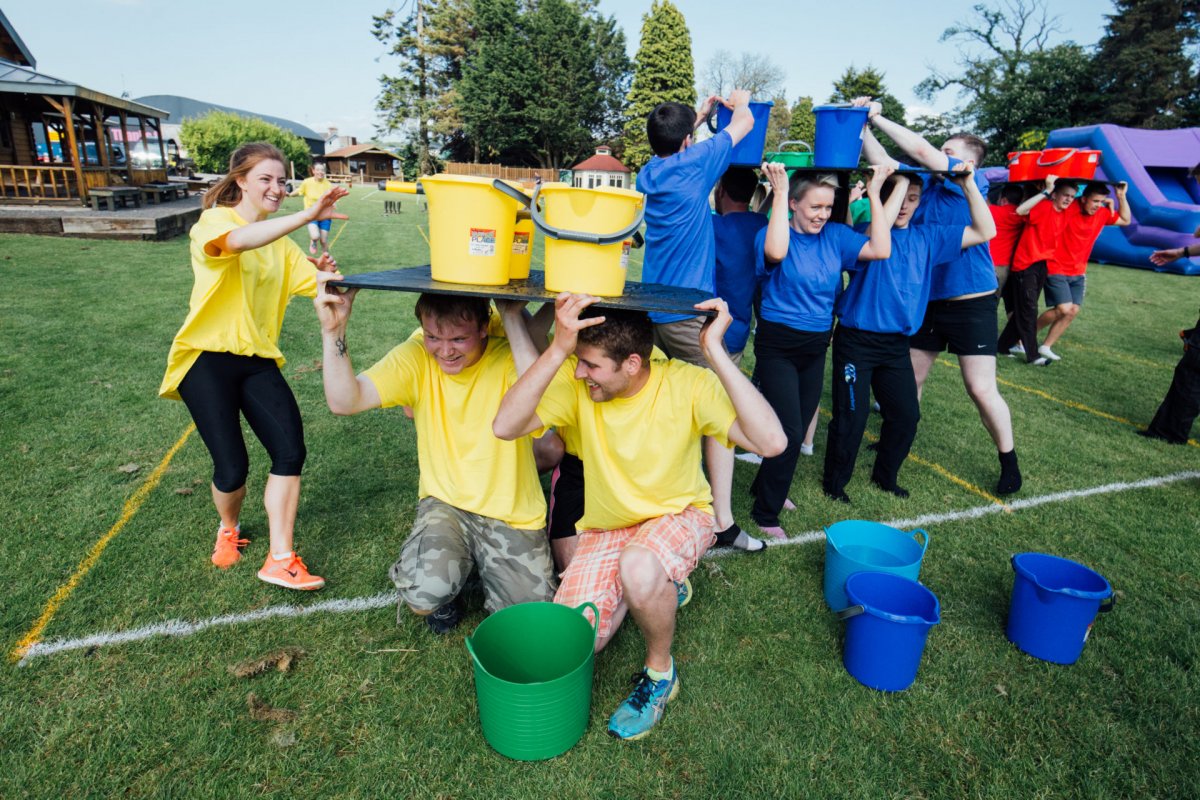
[[157, 192], [111, 195]]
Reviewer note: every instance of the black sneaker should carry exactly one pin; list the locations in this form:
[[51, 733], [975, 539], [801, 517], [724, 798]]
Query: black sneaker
[[445, 618]]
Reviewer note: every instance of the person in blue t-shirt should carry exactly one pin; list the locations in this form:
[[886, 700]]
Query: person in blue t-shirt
[[799, 264], [734, 229], [961, 315], [679, 246], [881, 307]]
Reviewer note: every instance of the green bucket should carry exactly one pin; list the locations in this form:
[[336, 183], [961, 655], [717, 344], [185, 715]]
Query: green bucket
[[791, 159], [533, 678]]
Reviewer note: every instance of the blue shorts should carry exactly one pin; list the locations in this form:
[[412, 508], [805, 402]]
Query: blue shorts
[[1063, 289], [323, 224]]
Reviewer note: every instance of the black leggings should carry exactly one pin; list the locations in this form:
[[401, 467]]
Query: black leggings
[[217, 388], [789, 366]]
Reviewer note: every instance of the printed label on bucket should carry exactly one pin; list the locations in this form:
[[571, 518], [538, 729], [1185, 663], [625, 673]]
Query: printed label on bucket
[[483, 242], [520, 243], [625, 247]]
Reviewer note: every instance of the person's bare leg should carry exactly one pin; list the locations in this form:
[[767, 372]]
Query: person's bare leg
[[979, 376], [1048, 317], [811, 433], [282, 498], [563, 550], [618, 616], [720, 477], [229, 505], [652, 600], [1067, 314], [922, 361]]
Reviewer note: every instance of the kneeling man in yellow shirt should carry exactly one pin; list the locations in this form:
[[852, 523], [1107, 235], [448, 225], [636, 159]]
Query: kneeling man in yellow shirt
[[480, 504], [648, 514]]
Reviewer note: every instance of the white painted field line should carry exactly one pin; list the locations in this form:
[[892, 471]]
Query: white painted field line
[[384, 599]]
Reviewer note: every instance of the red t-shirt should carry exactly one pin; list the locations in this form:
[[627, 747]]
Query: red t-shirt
[[1080, 232], [1008, 230], [1040, 237]]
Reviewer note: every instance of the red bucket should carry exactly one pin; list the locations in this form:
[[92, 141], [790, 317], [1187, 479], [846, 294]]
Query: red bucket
[[1022, 165], [1067, 162]]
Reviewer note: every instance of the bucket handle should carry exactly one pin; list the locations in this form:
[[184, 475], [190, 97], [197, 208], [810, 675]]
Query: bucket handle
[[582, 236], [1041, 163], [1109, 604], [807, 146], [852, 611], [924, 539], [471, 650], [514, 193], [711, 119], [595, 616]]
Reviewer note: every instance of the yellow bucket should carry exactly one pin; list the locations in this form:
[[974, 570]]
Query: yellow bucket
[[522, 248], [471, 226], [589, 233]]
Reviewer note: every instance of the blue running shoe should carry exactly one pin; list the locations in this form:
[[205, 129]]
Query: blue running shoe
[[642, 710], [683, 591]]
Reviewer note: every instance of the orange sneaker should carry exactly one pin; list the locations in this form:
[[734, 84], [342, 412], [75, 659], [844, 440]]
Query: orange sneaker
[[290, 573], [226, 551]]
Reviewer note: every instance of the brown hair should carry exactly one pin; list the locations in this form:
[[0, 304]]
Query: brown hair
[[453, 308], [226, 192], [623, 333], [974, 143]]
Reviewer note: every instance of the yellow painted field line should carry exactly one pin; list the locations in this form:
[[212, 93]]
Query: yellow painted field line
[[339, 233], [131, 507], [423, 236], [940, 470], [1145, 362], [1068, 403]]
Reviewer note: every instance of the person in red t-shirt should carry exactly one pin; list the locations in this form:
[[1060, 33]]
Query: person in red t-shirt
[[1029, 266], [1008, 231], [1066, 280]]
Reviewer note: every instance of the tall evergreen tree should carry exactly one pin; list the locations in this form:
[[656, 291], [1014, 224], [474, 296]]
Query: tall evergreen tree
[[778, 123], [803, 125], [1142, 66], [663, 72], [869, 83]]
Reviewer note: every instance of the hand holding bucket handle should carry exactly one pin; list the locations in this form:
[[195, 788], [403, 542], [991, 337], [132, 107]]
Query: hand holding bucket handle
[[565, 235]]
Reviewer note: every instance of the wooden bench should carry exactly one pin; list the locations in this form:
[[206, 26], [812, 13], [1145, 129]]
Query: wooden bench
[[111, 195], [162, 192]]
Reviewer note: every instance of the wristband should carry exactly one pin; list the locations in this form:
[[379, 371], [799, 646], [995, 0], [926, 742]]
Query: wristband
[[1045, 193]]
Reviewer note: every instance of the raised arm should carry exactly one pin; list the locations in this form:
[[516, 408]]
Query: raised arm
[[517, 415], [257, 234], [742, 121], [1125, 218], [983, 224], [524, 351], [1048, 187], [872, 150], [913, 144], [345, 392], [756, 428], [891, 209], [879, 246], [776, 245]]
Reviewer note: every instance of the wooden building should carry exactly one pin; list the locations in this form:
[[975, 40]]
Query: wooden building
[[362, 163], [601, 169], [59, 139]]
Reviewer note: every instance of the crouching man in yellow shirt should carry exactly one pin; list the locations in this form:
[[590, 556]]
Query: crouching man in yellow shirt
[[480, 504], [648, 514]]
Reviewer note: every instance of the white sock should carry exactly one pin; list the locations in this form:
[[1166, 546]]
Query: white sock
[[283, 557]]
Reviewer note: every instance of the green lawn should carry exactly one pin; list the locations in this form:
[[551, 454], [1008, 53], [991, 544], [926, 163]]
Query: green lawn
[[385, 709]]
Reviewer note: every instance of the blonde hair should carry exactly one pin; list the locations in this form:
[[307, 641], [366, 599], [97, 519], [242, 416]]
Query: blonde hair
[[226, 192], [802, 184]]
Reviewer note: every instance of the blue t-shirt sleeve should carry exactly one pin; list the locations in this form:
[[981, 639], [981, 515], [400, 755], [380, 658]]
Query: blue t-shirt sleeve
[[760, 259], [714, 154], [850, 244], [945, 242]]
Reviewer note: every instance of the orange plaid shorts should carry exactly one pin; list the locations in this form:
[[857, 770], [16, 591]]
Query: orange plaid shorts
[[677, 541]]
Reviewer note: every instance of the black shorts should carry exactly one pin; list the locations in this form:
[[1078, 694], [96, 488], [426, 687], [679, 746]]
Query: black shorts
[[967, 327], [566, 497]]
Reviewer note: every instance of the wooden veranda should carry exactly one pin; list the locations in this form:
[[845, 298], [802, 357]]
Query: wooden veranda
[[59, 140]]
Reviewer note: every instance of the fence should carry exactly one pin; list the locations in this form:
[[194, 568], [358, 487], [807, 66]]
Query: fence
[[523, 174]]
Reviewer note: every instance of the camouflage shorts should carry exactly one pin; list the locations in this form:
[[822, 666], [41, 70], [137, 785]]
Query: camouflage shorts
[[447, 543]]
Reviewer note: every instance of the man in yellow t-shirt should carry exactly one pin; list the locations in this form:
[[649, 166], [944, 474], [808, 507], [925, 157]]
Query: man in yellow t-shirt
[[647, 516], [480, 504], [311, 190]]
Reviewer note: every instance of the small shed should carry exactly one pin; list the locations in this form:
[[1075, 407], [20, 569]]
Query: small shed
[[365, 163], [601, 169], [58, 139]]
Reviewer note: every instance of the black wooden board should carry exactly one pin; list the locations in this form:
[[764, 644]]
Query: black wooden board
[[638, 296]]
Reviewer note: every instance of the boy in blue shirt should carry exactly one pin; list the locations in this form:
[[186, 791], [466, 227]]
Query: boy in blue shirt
[[961, 314], [881, 307], [680, 249]]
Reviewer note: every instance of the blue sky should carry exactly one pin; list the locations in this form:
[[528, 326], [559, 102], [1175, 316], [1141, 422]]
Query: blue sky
[[316, 62]]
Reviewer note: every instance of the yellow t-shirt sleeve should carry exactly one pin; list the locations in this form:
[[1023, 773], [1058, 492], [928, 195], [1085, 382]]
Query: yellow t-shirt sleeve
[[208, 237], [397, 376], [712, 411]]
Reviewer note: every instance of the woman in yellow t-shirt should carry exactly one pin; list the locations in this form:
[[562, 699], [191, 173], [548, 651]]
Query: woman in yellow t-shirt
[[313, 189], [224, 362]]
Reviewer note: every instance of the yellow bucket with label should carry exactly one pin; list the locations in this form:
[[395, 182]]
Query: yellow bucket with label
[[471, 225], [589, 233], [522, 248]]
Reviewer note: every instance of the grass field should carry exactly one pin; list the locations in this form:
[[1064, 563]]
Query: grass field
[[99, 542]]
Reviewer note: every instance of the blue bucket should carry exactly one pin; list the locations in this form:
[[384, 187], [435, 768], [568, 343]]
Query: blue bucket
[[839, 136], [886, 626], [857, 546], [749, 151], [1054, 602]]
